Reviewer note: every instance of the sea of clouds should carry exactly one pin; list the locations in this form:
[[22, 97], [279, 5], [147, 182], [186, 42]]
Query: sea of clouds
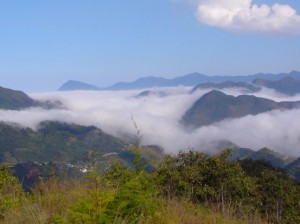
[[158, 118]]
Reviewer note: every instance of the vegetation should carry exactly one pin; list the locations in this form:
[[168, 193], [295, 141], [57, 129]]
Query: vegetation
[[56, 141], [190, 187]]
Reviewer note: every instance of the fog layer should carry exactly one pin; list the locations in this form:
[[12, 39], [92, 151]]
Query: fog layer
[[158, 119]]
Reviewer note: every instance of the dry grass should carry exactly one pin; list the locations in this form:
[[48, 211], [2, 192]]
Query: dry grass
[[183, 212], [54, 199]]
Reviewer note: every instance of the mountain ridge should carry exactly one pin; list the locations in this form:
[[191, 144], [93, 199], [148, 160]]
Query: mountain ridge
[[191, 79], [216, 106], [287, 85], [247, 87]]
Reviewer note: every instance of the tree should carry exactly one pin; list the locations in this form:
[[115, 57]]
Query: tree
[[10, 191], [280, 197], [213, 180]]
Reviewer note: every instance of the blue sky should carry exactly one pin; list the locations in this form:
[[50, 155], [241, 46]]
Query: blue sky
[[45, 43]]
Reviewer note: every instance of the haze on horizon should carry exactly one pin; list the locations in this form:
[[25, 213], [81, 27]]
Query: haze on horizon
[[43, 44]]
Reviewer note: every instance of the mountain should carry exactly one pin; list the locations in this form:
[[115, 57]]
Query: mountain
[[145, 82], [17, 100], [277, 160], [76, 85], [289, 164], [54, 141], [287, 85], [148, 93], [294, 168], [195, 79], [241, 153], [216, 106], [67, 146], [14, 100], [247, 87], [192, 79]]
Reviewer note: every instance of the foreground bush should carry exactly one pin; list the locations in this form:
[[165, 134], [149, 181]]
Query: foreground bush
[[190, 187]]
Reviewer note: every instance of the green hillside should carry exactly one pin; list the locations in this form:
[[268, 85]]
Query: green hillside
[[54, 141]]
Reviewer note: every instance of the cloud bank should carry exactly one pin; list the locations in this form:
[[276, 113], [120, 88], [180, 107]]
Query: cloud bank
[[245, 16], [158, 117]]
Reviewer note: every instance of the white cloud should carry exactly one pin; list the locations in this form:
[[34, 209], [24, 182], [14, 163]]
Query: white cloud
[[158, 119], [244, 16], [278, 130]]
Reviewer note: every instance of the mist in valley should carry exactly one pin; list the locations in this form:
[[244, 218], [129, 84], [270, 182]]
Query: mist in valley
[[158, 118]]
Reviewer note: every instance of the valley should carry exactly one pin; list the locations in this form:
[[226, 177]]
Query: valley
[[64, 126]]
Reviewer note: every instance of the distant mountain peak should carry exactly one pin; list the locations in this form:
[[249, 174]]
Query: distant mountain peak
[[77, 85], [287, 85]]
